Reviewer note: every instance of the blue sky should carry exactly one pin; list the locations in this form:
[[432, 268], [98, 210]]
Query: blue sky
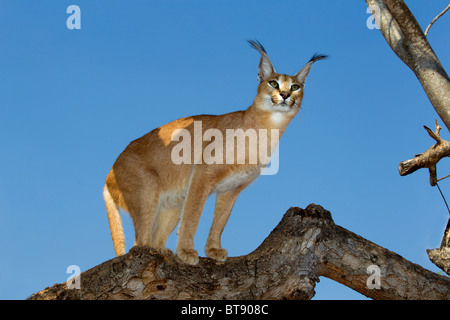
[[71, 101]]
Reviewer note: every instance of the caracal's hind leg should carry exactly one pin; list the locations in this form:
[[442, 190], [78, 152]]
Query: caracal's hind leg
[[165, 223], [144, 211]]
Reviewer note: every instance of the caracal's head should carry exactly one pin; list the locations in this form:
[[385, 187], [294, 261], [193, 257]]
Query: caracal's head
[[280, 92]]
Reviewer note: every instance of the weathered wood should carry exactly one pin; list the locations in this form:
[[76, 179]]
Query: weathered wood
[[429, 158], [441, 256], [304, 246]]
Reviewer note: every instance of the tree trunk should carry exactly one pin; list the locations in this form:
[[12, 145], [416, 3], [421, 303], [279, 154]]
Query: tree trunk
[[305, 245]]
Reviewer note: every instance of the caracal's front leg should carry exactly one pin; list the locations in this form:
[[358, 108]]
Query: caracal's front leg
[[222, 210], [197, 194]]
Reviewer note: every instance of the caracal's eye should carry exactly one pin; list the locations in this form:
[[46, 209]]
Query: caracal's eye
[[295, 87], [274, 84]]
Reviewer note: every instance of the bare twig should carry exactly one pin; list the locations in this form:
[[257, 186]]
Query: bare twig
[[435, 19], [443, 178]]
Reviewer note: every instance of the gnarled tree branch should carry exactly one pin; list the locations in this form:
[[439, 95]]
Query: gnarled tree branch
[[304, 246]]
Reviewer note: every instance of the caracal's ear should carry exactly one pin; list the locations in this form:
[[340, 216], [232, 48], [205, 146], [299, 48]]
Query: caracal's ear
[[265, 66], [303, 74]]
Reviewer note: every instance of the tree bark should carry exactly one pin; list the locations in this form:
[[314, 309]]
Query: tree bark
[[441, 256], [304, 246], [406, 38]]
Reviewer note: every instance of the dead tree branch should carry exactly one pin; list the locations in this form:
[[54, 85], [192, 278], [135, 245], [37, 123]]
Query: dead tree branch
[[304, 246], [404, 35], [429, 158]]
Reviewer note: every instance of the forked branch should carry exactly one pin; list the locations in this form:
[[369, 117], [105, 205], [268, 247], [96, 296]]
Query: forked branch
[[429, 158]]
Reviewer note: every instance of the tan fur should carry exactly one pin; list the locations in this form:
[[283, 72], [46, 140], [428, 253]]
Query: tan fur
[[159, 194]]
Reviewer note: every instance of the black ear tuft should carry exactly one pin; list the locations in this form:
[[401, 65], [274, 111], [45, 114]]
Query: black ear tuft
[[317, 57], [265, 68], [303, 73], [255, 44]]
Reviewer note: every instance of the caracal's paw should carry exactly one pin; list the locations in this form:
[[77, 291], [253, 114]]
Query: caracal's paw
[[218, 254], [189, 256]]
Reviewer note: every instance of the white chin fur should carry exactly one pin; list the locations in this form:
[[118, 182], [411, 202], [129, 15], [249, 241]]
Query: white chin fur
[[277, 117], [281, 108]]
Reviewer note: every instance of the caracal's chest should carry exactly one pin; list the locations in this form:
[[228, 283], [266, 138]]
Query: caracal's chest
[[236, 179], [175, 198]]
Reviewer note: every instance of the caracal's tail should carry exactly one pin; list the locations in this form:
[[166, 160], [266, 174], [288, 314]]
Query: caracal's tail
[[115, 223]]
